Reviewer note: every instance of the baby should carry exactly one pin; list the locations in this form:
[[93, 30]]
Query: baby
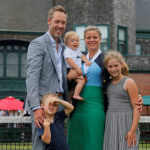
[[74, 60]]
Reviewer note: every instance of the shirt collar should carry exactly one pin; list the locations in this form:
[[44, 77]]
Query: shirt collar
[[52, 40]]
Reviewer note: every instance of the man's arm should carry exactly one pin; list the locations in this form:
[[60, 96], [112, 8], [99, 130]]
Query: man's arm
[[34, 66]]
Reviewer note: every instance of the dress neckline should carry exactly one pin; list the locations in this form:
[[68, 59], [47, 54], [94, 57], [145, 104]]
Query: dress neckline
[[118, 82]]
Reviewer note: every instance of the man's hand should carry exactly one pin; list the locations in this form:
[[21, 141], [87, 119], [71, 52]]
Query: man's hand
[[39, 117], [140, 103]]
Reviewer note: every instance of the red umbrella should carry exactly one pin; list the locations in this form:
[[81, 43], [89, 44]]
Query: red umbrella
[[10, 103]]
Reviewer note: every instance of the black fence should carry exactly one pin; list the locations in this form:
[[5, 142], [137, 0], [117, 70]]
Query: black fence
[[16, 134]]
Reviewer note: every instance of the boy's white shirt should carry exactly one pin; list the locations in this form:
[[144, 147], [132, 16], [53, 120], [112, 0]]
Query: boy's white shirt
[[75, 55], [95, 56]]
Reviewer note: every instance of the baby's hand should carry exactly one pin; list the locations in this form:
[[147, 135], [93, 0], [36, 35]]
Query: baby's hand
[[88, 63], [46, 123], [79, 71]]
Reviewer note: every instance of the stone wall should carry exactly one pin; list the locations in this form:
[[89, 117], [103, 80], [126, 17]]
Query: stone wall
[[141, 63], [116, 12], [124, 15], [24, 14], [145, 46]]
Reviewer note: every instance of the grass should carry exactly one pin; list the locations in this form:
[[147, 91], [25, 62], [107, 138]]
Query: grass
[[15, 146], [144, 146], [28, 146]]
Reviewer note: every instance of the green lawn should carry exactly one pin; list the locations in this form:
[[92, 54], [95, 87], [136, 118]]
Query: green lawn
[[144, 146], [28, 146], [15, 146]]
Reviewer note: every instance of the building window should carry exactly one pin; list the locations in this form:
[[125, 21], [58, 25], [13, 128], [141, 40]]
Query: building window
[[13, 56], [138, 49], [122, 40], [105, 41], [79, 29], [12, 65], [23, 65], [1, 65]]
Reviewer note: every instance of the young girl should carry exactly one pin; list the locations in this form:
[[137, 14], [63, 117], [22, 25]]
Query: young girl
[[74, 60], [121, 127]]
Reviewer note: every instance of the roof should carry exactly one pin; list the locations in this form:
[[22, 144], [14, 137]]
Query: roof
[[25, 15]]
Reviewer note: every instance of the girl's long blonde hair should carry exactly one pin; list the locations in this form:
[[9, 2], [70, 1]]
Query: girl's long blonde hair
[[118, 56]]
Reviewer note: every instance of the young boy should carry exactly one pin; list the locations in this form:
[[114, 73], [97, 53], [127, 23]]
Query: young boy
[[52, 131], [74, 60]]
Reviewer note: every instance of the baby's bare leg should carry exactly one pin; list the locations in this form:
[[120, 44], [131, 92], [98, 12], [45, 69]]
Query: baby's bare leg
[[71, 92], [80, 83]]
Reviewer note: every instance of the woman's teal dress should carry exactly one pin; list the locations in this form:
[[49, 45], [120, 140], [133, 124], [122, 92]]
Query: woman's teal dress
[[86, 126]]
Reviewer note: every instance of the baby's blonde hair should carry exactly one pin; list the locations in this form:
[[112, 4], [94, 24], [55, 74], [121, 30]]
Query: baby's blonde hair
[[68, 35], [118, 56], [48, 95]]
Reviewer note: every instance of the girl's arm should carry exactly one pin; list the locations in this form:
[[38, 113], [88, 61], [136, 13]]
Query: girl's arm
[[83, 57], [46, 137], [133, 93]]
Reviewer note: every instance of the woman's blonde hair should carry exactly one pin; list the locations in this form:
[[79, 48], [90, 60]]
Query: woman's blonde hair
[[118, 56], [89, 28], [68, 35]]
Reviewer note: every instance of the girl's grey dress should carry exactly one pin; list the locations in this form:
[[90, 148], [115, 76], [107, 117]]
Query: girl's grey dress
[[119, 118]]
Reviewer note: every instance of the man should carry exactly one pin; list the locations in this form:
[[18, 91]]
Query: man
[[46, 70]]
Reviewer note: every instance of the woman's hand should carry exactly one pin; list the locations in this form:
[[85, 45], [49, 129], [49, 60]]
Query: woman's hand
[[72, 75], [79, 71], [131, 138], [140, 103]]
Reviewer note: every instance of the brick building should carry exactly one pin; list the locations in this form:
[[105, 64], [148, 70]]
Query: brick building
[[125, 26]]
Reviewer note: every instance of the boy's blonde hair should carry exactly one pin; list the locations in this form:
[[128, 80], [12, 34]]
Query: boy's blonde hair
[[68, 35], [118, 56], [48, 95]]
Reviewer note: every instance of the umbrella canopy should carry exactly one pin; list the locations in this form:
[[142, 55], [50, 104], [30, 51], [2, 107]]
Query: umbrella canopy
[[10, 103]]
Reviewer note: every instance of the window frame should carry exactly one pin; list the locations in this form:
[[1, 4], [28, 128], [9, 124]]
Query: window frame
[[126, 38], [140, 48], [19, 54]]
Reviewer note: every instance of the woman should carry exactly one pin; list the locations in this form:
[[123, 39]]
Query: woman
[[86, 125]]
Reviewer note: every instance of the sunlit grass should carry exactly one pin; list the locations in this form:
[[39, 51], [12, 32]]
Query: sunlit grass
[[15, 146]]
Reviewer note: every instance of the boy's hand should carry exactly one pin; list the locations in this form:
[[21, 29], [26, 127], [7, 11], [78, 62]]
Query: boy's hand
[[88, 63], [79, 71], [55, 101], [47, 122], [131, 139]]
